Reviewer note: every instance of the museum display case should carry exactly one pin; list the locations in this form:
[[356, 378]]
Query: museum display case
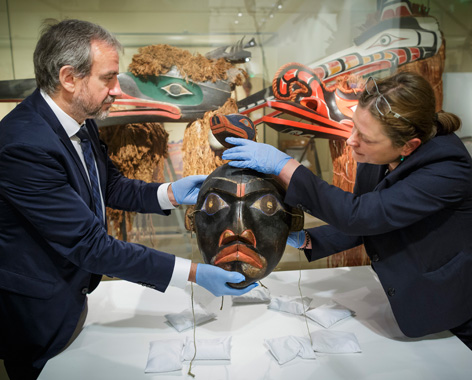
[[261, 38]]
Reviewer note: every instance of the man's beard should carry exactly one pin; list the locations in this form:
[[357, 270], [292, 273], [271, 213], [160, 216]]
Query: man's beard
[[83, 106]]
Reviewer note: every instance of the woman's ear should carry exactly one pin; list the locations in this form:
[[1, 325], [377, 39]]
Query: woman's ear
[[67, 78], [410, 146]]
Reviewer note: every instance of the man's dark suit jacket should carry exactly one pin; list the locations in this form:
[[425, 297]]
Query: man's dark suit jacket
[[53, 249], [416, 225]]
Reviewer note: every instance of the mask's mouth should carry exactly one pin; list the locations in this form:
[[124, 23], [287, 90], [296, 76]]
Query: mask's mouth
[[239, 252], [241, 247], [243, 259]]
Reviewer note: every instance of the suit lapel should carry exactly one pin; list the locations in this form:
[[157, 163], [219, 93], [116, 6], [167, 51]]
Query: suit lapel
[[37, 102], [369, 178], [47, 114]]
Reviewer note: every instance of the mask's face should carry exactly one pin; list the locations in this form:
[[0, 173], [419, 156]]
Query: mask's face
[[242, 223]]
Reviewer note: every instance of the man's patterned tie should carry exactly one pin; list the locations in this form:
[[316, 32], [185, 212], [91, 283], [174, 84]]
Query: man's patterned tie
[[90, 162]]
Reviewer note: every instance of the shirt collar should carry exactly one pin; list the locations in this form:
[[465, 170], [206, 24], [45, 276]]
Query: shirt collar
[[68, 123]]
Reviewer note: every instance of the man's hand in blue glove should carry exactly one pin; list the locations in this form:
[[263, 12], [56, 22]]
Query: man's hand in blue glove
[[185, 190], [215, 279], [296, 239], [261, 157]]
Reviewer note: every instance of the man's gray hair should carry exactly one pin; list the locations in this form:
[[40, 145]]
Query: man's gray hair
[[67, 43]]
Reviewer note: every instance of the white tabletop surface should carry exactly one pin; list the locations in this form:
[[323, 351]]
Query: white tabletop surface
[[124, 318]]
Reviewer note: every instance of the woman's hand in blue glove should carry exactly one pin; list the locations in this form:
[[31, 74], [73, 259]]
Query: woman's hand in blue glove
[[215, 280], [186, 190], [296, 239], [257, 156]]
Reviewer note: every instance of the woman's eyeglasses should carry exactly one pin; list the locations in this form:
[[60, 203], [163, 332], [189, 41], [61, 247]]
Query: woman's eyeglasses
[[372, 89]]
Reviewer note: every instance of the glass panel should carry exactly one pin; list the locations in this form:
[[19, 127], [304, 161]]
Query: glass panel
[[284, 31]]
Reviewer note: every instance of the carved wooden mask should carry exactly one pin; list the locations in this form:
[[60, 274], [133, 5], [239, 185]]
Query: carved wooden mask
[[242, 223]]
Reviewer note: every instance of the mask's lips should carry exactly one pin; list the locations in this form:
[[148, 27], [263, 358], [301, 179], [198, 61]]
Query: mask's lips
[[238, 252]]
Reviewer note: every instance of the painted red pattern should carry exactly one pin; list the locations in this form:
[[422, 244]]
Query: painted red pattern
[[400, 11]]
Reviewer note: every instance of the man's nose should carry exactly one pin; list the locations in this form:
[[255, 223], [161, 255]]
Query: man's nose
[[116, 89]]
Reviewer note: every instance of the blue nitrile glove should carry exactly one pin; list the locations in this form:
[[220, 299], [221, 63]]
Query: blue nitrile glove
[[214, 279], [186, 189], [296, 239], [253, 155]]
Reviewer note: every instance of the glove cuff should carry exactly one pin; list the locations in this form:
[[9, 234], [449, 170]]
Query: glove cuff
[[281, 165]]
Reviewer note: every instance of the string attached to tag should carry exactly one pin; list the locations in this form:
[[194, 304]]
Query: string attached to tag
[[299, 283], [194, 319]]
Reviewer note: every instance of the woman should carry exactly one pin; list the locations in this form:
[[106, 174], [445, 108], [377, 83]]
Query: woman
[[411, 206]]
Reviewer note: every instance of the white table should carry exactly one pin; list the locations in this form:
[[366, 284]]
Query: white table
[[124, 318]]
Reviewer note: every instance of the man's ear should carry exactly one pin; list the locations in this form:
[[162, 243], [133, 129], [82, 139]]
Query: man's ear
[[410, 146], [67, 78]]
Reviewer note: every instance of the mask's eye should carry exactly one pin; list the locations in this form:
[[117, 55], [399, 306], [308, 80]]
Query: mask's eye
[[213, 203], [176, 90], [268, 204], [385, 40]]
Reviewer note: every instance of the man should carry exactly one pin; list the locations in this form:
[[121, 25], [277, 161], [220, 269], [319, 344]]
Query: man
[[55, 181]]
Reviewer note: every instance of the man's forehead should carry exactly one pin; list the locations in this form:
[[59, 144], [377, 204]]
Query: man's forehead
[[105, 59]]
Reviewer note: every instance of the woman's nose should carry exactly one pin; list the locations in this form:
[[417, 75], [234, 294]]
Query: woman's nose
[[352, 140]]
